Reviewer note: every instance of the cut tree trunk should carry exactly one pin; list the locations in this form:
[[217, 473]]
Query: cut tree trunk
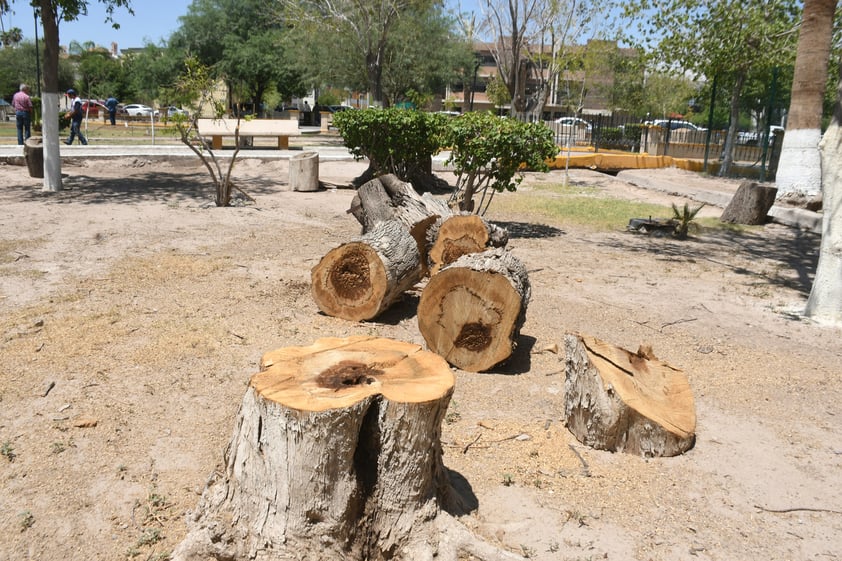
[[387, 198], [452, 237], [471, 312], [626, 402], [750, 204], [304, 172], [335, 454], [360, 279]]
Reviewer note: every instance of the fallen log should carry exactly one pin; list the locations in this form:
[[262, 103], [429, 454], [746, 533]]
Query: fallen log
[[360, 279], [621, 401], [336, 454], [472, 311], [452, 237]]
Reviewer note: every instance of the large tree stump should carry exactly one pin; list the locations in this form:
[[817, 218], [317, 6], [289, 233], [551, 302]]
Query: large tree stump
[[626, 402], [471, 312], [452, 237], [360, 279], [750, 204], [335, 454]]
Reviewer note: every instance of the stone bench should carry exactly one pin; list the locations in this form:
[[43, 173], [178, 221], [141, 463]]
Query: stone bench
[[218, 129]]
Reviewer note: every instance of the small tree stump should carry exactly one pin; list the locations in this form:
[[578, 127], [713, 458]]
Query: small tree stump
[[626, 402], [33, 153], [452, 237], [750, 204], [471, 312], [360, 279], [336, 452], [304, 172]]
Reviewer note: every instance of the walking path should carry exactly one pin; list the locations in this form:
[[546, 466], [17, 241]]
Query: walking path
[[695, 186]]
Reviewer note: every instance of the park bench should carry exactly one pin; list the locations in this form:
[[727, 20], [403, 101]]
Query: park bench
[[217, 129]]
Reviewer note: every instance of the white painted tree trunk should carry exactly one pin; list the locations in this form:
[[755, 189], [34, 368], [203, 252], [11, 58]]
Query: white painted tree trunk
[[800, 170], [52, 153], [825, 302]]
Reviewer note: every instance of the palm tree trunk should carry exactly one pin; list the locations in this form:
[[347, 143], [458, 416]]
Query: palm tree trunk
[[799, 171]]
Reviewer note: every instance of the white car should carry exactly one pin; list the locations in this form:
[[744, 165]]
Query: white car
[[675, 124], [575, 122], [140, 110], [172, 111]]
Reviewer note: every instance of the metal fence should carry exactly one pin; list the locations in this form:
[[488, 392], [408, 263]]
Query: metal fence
[[754, 154]]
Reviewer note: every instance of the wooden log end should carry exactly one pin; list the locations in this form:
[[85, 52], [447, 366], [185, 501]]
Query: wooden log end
[[349, 282], [617, 400]]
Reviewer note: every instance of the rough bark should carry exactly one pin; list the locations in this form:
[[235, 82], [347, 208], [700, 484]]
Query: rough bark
[[336, 452], [387, 198], [799, 174], [750, 204], [452, 237], [626, 402], [825, 302], [360, 279], [472, 311]]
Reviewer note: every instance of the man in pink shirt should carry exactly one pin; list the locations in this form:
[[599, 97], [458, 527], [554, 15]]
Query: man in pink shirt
[[23, 112]]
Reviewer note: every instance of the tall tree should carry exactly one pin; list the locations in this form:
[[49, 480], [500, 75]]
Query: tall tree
[[362, 27], [239, 42], [726, 39], [799, 170], [52, 13]]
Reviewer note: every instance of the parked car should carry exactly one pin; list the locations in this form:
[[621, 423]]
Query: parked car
[[675, 124], [574, 122], [91, 107], [140, 110], [172, 111]]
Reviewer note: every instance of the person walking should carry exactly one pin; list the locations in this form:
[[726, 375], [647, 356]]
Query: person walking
[[111, 105], [22, 105], [76, 115]]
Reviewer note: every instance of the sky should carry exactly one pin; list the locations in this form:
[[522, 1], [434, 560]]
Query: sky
[[153, 21]]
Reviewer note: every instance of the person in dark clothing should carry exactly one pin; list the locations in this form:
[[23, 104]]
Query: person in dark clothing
[[76, 115], [111, 105]]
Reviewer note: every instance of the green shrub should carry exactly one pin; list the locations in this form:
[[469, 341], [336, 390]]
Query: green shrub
[[487, 153], [398, 141]]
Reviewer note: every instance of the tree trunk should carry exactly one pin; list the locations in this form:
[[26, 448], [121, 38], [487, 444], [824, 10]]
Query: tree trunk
[[750, 204], [463, 234], [728, 156], [472, 311], [825, 302], [336, 452], [626, 402], [304, 172], [50, 98], [799, 173], [387, 198], [360, 279]]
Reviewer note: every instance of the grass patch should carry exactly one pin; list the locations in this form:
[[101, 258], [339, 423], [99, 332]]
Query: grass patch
[[581, 206]]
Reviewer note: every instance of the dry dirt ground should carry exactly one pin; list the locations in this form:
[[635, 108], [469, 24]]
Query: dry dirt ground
[[134, 313]]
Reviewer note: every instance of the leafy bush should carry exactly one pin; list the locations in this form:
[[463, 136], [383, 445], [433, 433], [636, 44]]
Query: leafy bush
[[398, 141], [487, 153]]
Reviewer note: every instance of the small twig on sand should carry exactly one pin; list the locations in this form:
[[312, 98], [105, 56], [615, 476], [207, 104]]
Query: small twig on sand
[[676, 322], [471, 443], [796, 509], [586, 470]]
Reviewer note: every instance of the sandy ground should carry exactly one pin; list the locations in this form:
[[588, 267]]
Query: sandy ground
[[134, 312]]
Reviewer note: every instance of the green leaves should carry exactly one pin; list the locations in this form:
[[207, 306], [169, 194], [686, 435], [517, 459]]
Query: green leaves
[[487, 152]]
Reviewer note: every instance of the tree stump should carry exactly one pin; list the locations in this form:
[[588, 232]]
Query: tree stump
[[360, 279], [471, 312], [626, 402], [336, 454], [304, 172], [33, 154], [750, 204], [458, 235]]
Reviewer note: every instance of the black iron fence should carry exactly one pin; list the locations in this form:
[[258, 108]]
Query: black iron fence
[[754, 154]]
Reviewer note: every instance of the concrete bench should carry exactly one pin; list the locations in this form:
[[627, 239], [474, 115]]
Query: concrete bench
[[218, 129]]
